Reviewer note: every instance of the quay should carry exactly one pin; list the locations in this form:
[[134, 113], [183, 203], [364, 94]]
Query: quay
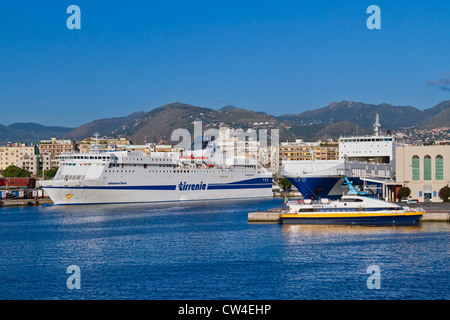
[[438, 212], [271, 215], [287, 194], [25, 202]]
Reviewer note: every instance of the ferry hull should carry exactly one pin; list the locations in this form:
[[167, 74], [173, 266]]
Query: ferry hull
[[316, 186], [383, 219], [144, 194], [320, 187]]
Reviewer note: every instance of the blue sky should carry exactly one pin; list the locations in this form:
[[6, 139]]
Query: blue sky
[[274, 56]]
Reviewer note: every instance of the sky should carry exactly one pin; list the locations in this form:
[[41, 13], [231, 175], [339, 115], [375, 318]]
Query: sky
[[280, 57]]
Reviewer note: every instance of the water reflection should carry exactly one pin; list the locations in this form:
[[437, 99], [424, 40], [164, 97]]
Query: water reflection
[[308, 230]]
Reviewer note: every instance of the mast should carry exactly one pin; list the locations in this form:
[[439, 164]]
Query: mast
[[377, 125], [96, 138]]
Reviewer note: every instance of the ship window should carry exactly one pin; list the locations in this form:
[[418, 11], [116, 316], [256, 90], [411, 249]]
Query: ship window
[[351, 200]]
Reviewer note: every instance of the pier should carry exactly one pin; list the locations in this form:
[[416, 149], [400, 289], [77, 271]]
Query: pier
[[24, 202], [271, 215]]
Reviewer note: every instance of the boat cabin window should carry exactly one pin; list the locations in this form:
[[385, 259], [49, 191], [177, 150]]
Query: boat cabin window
[[350, 200]]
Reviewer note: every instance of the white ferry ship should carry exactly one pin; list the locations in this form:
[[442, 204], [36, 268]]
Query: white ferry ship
[[135, 177]]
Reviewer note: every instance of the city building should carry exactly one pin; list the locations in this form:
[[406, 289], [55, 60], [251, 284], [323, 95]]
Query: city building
[[48, 161], [299, 150], [12, 154], [103, 143], [49, 151], [30, 163], [423, 169], [56, 146], [239, 143]]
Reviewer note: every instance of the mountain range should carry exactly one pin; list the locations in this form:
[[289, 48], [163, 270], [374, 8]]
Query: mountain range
[[157, 125]]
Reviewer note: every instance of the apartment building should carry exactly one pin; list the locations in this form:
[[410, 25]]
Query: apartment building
[[56, 146], [299, 150], [12, 154], [49, 151], [103, 143]]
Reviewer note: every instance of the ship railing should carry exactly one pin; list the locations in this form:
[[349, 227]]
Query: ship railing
[[418, 209]]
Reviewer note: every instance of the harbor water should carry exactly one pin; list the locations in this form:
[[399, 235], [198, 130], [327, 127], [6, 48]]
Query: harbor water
[[208, 250]]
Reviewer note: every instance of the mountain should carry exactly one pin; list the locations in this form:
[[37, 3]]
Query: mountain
[[338, 118], [361, 114], [227, 108], [431, 112], [157, 125], [439, 120], [103, 126], [30, 132]]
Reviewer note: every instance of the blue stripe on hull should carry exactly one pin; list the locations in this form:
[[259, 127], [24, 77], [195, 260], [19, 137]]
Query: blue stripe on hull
[[379, 220], [238, 186], [109, 187], [321, 185], [255, 183]]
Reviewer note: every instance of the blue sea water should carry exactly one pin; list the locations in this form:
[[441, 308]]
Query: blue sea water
[[208, 250]]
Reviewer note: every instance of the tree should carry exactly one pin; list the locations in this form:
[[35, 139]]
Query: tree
[[444, 193], [49, 174], [286, 184], [15, 172], [403, 192]]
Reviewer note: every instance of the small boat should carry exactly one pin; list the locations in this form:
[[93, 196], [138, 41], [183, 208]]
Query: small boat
[[352, 208]]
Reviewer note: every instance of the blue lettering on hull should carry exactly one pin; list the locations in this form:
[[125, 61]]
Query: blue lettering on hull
[[183, 186]]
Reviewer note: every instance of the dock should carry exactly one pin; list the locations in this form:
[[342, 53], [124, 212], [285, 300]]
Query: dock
[[272, 215], [24, 202], [287, 194]]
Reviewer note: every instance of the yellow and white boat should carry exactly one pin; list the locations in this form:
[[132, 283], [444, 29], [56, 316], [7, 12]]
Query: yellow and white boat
[[350, 209]]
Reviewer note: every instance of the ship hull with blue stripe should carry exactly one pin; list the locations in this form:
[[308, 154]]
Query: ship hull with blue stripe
[[385, 219], [355, 208], [132, 177], [330, 187], [140, 193]]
